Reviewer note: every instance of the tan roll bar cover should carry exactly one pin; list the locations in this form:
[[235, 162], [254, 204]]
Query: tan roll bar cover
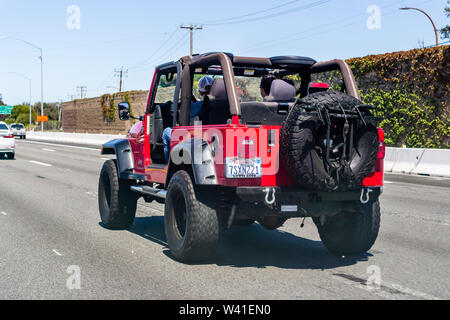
[[347, 74], [186, 87]]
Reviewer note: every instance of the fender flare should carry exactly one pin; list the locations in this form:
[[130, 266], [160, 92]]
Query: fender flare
[[203, 169], [124, 155]]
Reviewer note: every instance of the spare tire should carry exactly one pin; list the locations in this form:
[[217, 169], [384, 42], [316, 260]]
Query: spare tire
[[302, 144]]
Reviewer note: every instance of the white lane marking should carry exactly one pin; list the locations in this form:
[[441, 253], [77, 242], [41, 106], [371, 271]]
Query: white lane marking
[[49, 150], [387, 290], [41, 163], [57, 253], [4, 213], [414, 293], [61, 145], [387, 182]]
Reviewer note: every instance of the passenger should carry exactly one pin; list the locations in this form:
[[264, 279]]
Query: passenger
[[266, 84], [204, 87]]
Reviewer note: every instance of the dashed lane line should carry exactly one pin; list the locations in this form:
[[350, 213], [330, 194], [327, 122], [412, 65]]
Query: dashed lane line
[[57, 253], [40, 163]]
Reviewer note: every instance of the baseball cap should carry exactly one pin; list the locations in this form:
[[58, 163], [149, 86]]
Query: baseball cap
[[204, 82]]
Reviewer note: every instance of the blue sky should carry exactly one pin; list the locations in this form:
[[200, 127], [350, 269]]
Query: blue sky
[[113, 34]]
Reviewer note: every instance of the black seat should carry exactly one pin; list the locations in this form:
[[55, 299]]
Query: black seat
[[216, 106], [159, 120], [281, 91], [274, 109]]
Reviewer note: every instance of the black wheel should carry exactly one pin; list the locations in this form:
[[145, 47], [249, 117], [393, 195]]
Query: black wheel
[[353, 231], [302, 145], [117, 203], [191, 223], [10, 155]]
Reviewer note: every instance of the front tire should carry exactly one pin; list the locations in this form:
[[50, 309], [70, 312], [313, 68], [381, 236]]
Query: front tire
[[352, 231], [191, 224], [117, 203]]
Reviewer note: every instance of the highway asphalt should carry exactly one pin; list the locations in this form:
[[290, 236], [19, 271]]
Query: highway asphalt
[[49, 223]]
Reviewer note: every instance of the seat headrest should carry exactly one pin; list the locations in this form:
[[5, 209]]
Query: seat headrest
[[281, 91], [218, 91]]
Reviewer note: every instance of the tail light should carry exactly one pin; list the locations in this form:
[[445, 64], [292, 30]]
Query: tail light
[[247, 148], [11, 136], [381, 150], [381, 146]]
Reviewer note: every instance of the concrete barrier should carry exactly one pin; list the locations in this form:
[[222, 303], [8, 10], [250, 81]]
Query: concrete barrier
[[72, 138], [434, 162]]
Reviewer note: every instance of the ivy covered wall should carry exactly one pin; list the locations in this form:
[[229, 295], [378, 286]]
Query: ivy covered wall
[[412, 92]]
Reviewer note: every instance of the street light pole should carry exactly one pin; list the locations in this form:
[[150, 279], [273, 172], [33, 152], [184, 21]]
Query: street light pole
[[436, 31], [42, 71], [29, 81]]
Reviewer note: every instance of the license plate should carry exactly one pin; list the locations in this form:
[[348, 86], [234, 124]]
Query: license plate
[[236, 168]]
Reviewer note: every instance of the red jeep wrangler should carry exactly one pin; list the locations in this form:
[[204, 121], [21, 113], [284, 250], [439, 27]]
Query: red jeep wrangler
[[303, 151]]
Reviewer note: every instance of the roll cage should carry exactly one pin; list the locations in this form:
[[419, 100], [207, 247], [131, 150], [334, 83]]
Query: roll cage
[[229, 66]]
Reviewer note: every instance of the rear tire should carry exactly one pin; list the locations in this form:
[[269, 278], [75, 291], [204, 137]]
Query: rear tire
[[117, 203], [351, 232], [191, 224], [301, 140], [10, 156]]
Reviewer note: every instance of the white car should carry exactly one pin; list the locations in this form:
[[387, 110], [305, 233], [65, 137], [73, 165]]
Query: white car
[[7, 141], [18, 130]]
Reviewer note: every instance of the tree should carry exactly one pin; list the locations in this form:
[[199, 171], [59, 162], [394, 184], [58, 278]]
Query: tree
[[21, 114], [50, 110], [445, 31]]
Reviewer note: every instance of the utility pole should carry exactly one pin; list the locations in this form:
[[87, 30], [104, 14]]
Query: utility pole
[[191, 28], [121, 74], [83, 90], [436, 31], [71, 97]]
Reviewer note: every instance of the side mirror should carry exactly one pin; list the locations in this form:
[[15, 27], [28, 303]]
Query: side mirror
[[124, 111]]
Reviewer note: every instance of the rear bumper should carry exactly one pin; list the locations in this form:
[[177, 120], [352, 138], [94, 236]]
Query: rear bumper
[[296, 202], [7, 146], [258, 194]]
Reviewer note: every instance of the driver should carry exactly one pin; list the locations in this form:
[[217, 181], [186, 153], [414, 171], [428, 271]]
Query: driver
[[204, 87]]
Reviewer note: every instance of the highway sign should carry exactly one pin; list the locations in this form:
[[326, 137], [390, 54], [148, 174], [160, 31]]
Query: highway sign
[[5, 109]]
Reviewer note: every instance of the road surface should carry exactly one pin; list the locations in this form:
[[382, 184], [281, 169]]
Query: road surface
[[49, 227]]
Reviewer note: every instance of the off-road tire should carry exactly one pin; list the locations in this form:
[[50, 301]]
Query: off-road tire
[[117, 203], [191, 221], [298, 141], [352, 231]]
